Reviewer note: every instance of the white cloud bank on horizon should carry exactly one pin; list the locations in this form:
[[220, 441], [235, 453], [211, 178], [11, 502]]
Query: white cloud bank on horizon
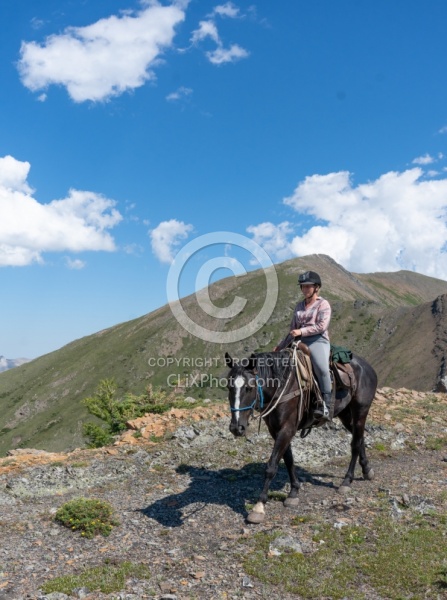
[[398, 221], [104, 59], [166, 237], [27, 228]]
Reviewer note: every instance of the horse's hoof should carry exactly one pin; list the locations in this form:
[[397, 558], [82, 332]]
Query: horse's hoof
[[291, 502], [255, 518], [344, 489], [369, 475]]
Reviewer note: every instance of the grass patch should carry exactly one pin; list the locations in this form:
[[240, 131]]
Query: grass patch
[[106, 578], [436, 443], [278, 496], [380, 447], [158, 468], [300, 520], [381, 450], [164, 532], [396, 560], [89, 516]]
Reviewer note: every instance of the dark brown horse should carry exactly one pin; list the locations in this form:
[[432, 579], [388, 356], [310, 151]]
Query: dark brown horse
[[256, 383]]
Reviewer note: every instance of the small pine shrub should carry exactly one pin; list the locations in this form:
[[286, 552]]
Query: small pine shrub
[[115, 412], [89, 516], [98, 435]]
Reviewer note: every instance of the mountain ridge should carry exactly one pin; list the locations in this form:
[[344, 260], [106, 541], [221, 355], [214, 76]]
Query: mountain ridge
[[374, 314]]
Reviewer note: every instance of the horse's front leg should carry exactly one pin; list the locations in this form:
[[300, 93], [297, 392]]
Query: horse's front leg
[[282, 444]]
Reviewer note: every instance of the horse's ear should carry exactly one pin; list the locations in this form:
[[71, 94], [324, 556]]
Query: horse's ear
[[252, 362], [229, 361]]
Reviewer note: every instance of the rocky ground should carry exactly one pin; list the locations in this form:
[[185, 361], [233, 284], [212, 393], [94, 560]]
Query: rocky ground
[[182, 502]]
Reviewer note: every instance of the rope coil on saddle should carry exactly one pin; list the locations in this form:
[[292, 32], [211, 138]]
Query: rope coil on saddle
[[303, 371]]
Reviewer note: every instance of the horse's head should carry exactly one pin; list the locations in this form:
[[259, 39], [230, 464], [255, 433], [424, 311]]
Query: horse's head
[[242, 393]]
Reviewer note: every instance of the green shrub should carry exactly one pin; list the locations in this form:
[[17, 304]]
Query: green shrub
[[117, 411], [89, 516], [98, 435]]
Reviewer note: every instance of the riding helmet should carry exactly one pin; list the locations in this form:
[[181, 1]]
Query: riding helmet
[[309, 277]]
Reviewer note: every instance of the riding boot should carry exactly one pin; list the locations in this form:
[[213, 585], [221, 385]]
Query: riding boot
[[321, 412], [327, 398]]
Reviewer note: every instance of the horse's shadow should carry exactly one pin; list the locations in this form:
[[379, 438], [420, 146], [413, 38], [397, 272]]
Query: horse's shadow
[[227, 487]]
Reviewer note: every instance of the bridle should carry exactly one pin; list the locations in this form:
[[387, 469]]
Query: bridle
[[252, 406], [280, 395]]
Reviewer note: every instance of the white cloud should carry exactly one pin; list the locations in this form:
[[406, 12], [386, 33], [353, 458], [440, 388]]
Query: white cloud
[[443, 129], [166, 237], [104, 59], [13, 174], [77, 223], [424, 160], [74, 263], [208, 29], [133, 249], [398, 221], [273, 238], [37, 23], [179, 94], [223, 55], [227, 10]]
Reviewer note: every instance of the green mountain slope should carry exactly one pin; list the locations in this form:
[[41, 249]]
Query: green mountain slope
[[376, 315]]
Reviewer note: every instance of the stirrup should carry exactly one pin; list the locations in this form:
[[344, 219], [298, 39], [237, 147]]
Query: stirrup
[[322, 413]]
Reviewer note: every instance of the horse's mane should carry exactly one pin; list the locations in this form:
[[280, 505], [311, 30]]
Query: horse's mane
[[272, 365]]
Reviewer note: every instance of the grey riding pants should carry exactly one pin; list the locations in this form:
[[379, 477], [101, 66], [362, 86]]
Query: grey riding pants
[[320, 349]]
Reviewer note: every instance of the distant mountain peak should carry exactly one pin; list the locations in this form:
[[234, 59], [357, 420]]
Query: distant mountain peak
[[10, 363]]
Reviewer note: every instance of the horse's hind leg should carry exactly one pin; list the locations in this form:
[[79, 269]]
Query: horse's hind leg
[[292, 499], [354, 421]]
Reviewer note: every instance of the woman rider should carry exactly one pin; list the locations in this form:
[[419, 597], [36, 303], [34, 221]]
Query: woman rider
[[310, 321]]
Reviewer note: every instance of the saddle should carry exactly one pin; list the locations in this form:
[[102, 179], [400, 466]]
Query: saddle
[[342, 372], [343, 375]]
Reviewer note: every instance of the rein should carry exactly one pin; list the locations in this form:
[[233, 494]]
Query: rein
[[284, 397]]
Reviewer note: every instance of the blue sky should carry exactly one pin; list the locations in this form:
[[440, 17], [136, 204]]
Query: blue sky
[[129, 128]]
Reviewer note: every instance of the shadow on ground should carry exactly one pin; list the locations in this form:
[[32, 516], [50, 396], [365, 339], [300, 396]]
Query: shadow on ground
[[224, 487]]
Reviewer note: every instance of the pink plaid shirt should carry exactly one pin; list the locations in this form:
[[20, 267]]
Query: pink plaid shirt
[[311, 320]]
